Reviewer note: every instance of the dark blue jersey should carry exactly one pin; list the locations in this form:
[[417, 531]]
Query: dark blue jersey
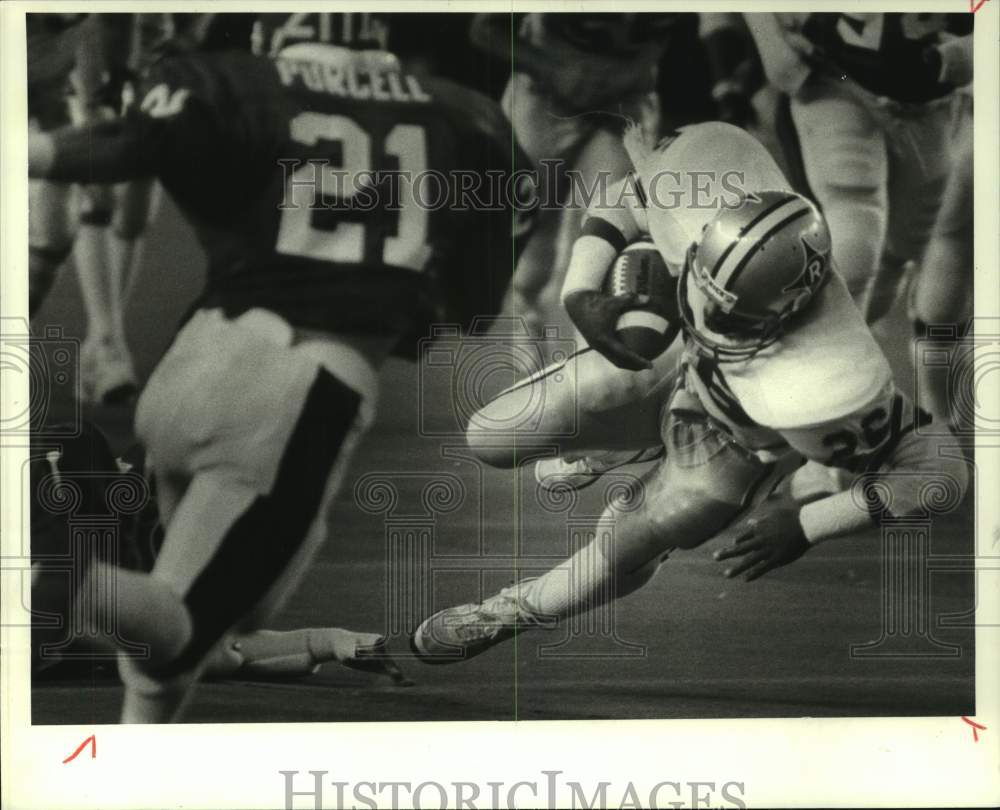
[[889, 54], [328, 194]]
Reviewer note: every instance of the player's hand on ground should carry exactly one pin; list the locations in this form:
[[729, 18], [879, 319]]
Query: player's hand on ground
[[596, 314], [372, 655], [770, 537]]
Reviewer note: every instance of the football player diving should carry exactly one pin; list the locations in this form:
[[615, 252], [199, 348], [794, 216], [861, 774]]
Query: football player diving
[[778, 366], [297, 173]]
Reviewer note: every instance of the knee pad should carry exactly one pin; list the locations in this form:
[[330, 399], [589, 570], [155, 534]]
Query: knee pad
[[685, 520]]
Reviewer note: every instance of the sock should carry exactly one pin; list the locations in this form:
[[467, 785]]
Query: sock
[[147, 611], [583, 582], [92, 272], [123, 257], [151, 700], [137, 609]]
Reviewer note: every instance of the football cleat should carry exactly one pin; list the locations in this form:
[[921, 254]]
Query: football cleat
[[108, 375], [554, 474], [463, 632]]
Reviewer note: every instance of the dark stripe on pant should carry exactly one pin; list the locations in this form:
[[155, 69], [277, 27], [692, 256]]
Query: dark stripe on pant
[[262, 542]]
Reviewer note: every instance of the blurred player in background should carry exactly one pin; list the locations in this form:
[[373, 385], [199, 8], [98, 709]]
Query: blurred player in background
[[272, 33], [778, 366], [322, 261], [53, 42], [80, 477], [873, 100], [100, 58], [875, 109], [942, 291], [742, 95], [575, 81]]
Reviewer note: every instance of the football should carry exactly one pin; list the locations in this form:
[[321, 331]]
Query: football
[[639, 269]]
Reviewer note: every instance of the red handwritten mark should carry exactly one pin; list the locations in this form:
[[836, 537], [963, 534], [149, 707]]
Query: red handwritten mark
[[975, 726], [975, 5], [92, 739]]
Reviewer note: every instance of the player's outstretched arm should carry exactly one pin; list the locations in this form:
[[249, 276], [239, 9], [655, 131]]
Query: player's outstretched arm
[[299, 653], [102, 152], [899, 466]]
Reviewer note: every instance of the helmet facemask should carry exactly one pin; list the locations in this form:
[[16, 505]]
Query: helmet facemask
[[741, 335]]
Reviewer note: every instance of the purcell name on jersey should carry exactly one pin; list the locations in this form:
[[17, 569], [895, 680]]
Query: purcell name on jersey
[[300, 179], [348, 82]]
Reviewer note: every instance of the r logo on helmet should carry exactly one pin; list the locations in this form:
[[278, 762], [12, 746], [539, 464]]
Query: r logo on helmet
[[813, 270]]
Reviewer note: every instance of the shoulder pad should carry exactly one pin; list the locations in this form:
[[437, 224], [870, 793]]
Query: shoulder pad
[[824, 369]]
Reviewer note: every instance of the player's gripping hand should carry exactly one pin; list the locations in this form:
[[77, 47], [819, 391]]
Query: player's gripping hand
[[596, 314], [770, 537]]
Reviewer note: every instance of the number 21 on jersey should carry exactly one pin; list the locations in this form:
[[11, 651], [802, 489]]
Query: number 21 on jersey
[[312, 184]]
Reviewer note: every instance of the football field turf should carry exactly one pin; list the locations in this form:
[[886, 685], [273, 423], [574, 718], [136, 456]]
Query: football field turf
[[689, 645]]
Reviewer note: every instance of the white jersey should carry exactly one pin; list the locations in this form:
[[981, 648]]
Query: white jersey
[[824, 388]]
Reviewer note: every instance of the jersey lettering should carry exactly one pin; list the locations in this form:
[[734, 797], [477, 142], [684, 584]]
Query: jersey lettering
[[160, 102], [319, 221]]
